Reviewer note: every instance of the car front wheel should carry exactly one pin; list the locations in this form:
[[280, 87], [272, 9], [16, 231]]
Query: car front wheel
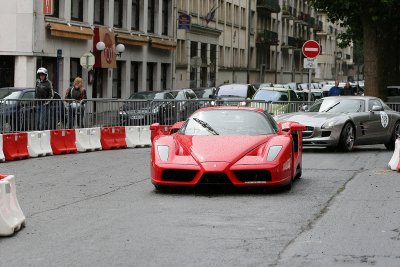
[[347, 137], [396, 134]]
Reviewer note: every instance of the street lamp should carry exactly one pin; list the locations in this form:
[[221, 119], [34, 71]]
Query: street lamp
[[338, 56], [120, 48]]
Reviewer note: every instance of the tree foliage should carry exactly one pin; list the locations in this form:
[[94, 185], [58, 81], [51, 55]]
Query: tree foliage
[[374, 24]]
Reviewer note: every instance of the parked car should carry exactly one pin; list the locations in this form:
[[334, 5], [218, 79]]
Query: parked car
[[205, 93], [18, 110], [238, 146], [234, 94], [145, 108], [275, 99], [345, 121], [186, 102]]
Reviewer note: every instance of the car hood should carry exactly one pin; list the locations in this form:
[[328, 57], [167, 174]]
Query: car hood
[[314, 119], [220, 148]]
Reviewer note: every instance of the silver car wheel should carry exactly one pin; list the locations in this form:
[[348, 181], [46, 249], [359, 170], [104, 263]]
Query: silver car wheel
[[346, 142]]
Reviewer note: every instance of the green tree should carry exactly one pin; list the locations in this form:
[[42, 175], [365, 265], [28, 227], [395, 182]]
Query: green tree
[[374, 24]]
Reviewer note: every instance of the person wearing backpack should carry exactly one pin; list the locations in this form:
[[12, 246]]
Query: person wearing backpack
[[75, 97]]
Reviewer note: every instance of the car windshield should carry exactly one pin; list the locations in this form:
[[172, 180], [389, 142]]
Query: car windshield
[[227, 122], [233, 90], [151, 95], [8, 94], [203, 93], [338, 105], [269, 95]]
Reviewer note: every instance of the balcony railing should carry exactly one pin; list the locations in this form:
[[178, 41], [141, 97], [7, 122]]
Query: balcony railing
[[267, 37], [271, 6]]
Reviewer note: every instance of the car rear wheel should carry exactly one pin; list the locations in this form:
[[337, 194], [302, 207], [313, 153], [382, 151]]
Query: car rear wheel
[[396, 134], [347, 138]]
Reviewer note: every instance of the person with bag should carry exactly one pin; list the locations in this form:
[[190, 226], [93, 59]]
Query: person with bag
[[75, 97], [43, 91]]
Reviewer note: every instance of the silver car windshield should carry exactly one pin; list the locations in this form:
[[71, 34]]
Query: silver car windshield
[[338, 105], [227, 122]]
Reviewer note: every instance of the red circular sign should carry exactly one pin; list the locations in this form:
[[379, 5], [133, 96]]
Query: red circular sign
[[311, 49]]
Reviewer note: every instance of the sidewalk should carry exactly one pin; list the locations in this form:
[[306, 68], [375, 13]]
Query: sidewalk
[[360, 227]]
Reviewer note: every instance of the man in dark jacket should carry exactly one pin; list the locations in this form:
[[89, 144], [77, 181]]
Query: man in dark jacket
[[43, 90]]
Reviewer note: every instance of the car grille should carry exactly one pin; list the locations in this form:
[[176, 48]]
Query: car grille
[[308, 132], [214, 178], [178, 175], [253, 176]]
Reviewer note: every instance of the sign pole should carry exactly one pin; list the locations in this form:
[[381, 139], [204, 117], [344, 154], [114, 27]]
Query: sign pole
[[309, 84]]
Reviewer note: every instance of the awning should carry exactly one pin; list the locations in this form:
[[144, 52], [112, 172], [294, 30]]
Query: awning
[[70, 31], [132, 39], [166, 44]]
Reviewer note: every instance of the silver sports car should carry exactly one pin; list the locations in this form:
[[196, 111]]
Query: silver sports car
[[345, 121]]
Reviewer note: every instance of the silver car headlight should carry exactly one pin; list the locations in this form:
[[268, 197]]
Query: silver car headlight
[[329, 124], [273, 152], [163, 152], [122, 112], [156, 109]]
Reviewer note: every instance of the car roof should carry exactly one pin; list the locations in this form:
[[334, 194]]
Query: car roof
[[281, 89], [232, 108], [17, 88]]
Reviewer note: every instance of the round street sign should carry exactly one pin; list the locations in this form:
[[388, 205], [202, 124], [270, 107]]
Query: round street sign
[[87, 61], [311, 49]]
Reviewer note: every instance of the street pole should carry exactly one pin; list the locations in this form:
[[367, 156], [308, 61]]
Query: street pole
[[248, 42], [309, 84]]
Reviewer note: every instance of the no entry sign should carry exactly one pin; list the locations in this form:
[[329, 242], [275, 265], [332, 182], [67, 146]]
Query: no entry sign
[[311, 49]]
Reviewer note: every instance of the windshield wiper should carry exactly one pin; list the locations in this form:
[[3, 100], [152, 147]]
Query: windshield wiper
[[206, 125], [331, 107]]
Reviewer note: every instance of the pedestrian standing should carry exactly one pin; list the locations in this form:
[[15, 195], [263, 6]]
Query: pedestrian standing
[[76, 96], [348, 89], [43, 92], [335, 90]]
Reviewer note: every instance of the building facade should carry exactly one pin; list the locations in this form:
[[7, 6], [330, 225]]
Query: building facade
[[57, 34], [166, 43]]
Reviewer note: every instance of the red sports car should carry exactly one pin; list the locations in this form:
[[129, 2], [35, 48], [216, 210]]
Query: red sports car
[[240, 146]]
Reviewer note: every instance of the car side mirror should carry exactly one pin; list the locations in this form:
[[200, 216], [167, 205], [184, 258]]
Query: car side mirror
[[376, 108], [155, 127], [304, 108]]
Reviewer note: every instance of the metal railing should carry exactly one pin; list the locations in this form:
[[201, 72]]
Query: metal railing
[[32, 115]]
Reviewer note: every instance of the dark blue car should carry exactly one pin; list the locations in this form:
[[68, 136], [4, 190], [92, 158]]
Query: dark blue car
[[18, 110]]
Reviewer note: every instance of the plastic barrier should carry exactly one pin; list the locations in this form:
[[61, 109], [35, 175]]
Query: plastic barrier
[[88, 139], [15, 146], [63, 141], [45, 143], [144, 136], [394, 162], [132, 135], [113, 137], [11, 217], [36, 144], [2, 158]]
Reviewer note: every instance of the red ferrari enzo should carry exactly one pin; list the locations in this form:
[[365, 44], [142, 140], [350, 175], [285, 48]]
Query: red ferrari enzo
[[240, 146]]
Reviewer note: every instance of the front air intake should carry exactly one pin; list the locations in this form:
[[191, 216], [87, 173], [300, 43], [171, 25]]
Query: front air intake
[[178, 175], [214, 178], [253, 176]]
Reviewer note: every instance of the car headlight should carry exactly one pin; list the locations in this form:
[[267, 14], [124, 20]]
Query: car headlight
[[328, 124], [163, 152], [155, 110], [123, 112], [273, 152]]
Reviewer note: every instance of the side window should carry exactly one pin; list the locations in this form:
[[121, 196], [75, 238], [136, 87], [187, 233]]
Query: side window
[[293, 96], [272, 121], [28, 95], [192, 95], [374, 102]]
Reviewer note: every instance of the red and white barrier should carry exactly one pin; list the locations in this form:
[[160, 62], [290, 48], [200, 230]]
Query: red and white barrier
[[113, 137], [394, 162], [15, 146], [11, 217], [2, 158], [88, 139], [39, 144], [144, 136], [63, 141], [132, 135]]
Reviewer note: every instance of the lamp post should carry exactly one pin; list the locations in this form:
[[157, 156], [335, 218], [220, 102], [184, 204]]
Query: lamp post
[[338, 57]]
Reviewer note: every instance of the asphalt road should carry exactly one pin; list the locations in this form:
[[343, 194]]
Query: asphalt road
[[100, 209]]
